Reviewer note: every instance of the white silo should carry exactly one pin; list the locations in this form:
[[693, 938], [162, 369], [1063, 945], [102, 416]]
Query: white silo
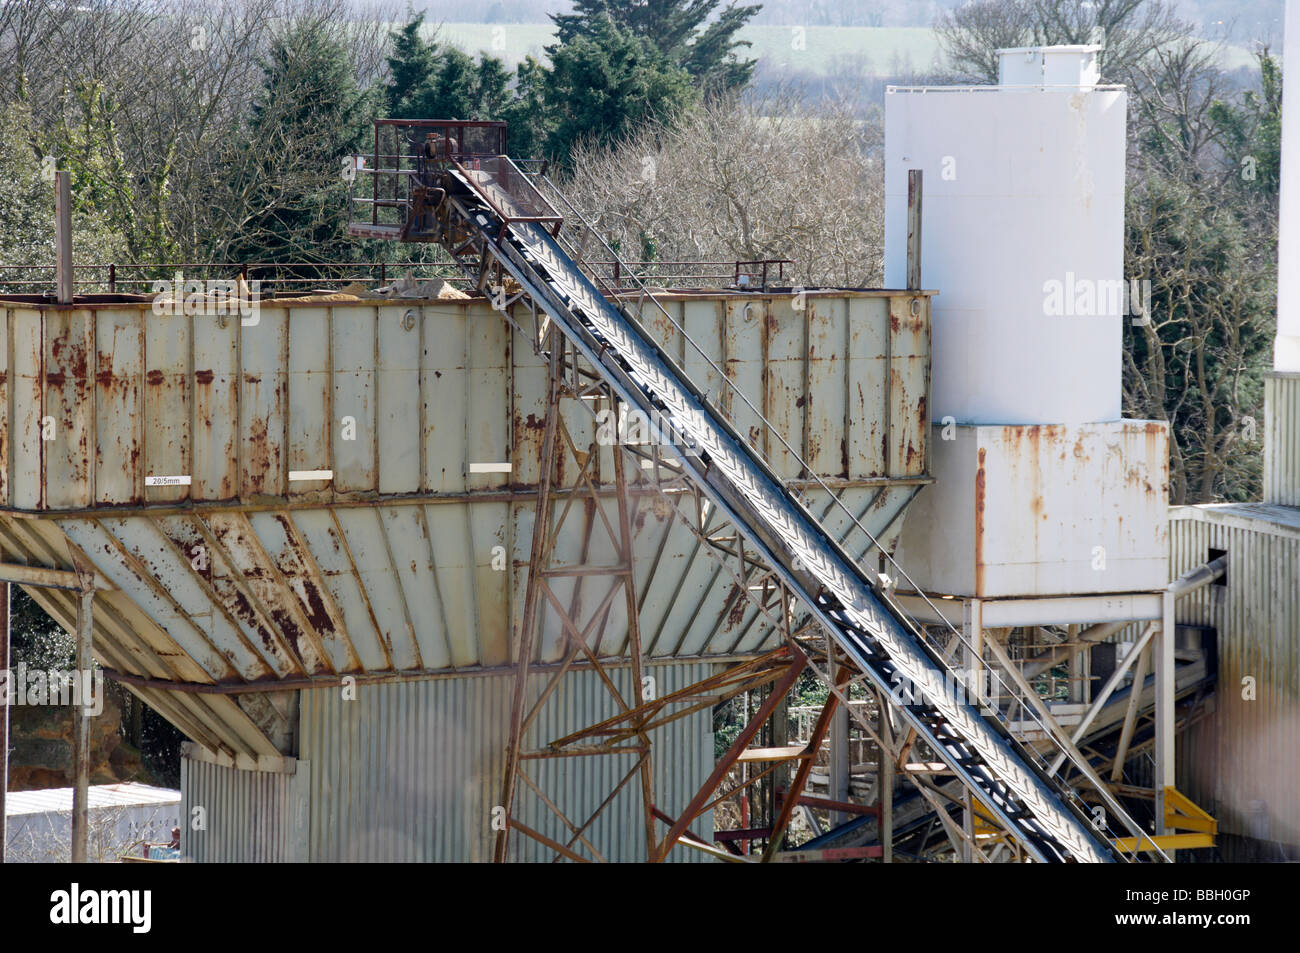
[[1023, 236], [1042, 489]]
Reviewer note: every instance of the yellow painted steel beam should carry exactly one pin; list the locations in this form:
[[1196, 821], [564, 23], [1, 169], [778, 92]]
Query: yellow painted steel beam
[[1181, 813], [1165, 842]]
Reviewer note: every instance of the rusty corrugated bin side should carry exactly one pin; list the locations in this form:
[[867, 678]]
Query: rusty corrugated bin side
[[295, 498]]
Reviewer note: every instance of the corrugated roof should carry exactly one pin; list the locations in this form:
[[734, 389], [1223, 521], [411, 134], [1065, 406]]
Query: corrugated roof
[[1261, 517], [59, 800]]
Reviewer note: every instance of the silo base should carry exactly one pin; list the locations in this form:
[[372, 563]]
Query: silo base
[[1042, 510]]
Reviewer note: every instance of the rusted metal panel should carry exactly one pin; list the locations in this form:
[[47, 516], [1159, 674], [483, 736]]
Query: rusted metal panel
[[824, 400], [284, 632], [1239, 763], [119, 422], [26, 476], [284, 544], [328, 546], [5, 435], [491, 618], [320, 402], [1004, 518], [263, 378], [405, 530], [356, 444], [670, 595], [217, 437], [369, 552], [909, 386], [867, 352], [398, 404], [410, 558], [445, 392], [68, 346], [528, 395], [455, 585], [311, 427], [223, 601], [743, 348], [168, 427], [705, 322], [140, 561], [785, 384]]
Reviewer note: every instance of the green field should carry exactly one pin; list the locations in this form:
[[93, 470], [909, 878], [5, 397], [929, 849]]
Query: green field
[[820, 50]]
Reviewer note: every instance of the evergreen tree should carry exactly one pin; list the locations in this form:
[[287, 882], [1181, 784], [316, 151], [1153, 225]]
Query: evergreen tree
[[413, 65], [453, 94], [491, 89], [526, 113], [311, 101], [429, 82], [605, 85], [1251, 132], [692, 34]]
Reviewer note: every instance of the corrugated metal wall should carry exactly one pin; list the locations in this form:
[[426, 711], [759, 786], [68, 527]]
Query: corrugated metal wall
[[411, 772], [1243, 762], [248, 816], [1282, 439]]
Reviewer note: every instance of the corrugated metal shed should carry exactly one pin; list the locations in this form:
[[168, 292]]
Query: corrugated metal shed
[[121, 817], [127, 794], [1241, 763], [411, 771]]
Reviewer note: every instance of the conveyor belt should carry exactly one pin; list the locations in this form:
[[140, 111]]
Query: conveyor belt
[[848, 602]]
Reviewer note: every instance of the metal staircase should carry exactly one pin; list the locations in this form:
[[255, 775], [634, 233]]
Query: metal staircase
[[496, 223]]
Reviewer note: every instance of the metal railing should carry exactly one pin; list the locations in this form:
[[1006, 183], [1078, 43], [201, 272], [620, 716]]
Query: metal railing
[[139, 277]]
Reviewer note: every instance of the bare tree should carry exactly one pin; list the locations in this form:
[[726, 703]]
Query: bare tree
[[1128, 30], [1205, 237], [766, 177], [971, 35], [148, 105]]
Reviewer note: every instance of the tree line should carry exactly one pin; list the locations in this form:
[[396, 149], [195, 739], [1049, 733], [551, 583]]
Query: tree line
[[213, 131]]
